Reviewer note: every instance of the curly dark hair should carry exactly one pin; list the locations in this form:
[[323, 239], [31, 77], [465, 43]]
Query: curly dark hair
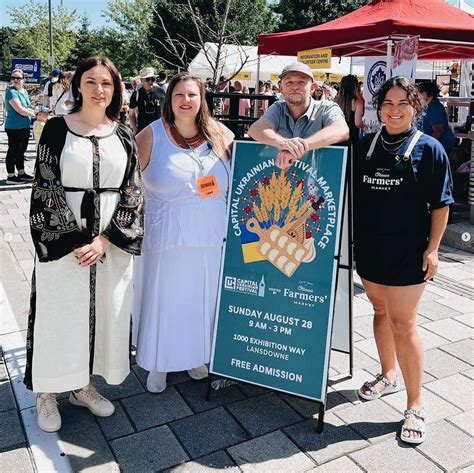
[[403, 83], [113, 110], [431, 88]]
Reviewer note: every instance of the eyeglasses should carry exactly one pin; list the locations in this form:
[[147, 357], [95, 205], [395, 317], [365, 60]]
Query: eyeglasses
[[149, 79], [17, 78]]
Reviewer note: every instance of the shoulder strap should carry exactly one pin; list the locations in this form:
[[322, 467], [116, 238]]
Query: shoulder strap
[[412, 144], [57, 101], [372, 145]]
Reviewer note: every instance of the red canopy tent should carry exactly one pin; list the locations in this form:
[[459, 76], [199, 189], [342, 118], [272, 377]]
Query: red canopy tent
[[445, 32]]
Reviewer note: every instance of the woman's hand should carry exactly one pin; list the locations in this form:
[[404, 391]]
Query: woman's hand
[[430, 263], [91, 254]]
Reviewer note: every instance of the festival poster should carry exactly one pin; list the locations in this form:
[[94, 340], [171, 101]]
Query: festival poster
[[278, 276]]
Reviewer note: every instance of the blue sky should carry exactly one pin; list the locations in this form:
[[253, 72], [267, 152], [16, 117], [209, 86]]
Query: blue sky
[[93, 8]]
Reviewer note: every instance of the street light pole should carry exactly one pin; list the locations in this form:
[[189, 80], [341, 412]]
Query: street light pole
[[51, 52]]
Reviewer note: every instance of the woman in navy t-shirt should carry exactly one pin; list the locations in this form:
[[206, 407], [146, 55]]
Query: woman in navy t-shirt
[[402, 193]]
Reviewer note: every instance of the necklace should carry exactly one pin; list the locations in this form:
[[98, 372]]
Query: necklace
[[402, 140], [187, 143], [395, 146]]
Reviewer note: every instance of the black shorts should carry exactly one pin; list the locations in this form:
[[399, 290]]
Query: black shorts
[[391, 261]]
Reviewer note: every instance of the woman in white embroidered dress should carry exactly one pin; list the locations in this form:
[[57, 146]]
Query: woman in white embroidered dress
[[86, 223], [186, 173]]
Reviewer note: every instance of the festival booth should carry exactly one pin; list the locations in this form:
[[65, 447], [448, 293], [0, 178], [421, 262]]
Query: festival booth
[[266, 66], [445, 32], [285, 297]]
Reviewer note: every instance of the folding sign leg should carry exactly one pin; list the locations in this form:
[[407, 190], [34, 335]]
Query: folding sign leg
[[209, 386], [320, 426]]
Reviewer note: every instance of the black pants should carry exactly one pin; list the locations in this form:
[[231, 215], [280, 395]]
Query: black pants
[[17, 144]]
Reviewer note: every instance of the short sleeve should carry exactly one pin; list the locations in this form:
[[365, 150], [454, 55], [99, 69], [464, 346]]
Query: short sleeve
[[273, 114], [12, 94], [436, 115], [332, 113], [440, 179]]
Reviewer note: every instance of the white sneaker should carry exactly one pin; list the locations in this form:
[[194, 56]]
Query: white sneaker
[[89, 397], [47, 411], [200, 372], [156, 381]]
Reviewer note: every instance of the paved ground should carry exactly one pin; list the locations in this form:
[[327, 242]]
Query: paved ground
[[243, 428]]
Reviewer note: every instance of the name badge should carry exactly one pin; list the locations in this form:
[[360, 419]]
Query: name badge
[[207, 187]]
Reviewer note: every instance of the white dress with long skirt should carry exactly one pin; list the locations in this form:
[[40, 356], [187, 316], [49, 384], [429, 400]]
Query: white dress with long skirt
[[79, 320], [176, 278]]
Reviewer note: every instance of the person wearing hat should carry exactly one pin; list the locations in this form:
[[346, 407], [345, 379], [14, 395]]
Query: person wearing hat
[[145, 102], [299, 123]]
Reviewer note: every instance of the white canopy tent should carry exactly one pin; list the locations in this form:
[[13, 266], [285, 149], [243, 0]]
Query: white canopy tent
[[270, 65], [232, 57]]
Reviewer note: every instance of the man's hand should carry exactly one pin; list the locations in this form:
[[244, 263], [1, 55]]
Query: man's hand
[[297, 147], [284, 160]]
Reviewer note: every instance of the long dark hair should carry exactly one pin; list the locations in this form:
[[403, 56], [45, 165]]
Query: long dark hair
[[403, 83], [347, 93], [204, 121], [113, 110]]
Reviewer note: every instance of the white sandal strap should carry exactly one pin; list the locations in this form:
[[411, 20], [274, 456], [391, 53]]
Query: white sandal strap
[[414, 412]]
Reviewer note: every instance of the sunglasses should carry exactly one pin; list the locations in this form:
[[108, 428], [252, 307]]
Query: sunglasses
[[149, 79], [17, 78]]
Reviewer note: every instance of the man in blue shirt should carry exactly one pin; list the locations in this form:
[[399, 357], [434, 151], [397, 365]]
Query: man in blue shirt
[[299, 123]]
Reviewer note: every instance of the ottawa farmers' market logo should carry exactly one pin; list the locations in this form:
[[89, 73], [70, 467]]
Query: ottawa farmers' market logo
[[282, 216]]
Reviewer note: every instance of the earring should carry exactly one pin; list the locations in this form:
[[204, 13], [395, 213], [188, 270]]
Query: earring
[[79, 97]]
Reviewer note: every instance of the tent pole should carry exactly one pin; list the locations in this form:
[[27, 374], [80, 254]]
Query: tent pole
[[389, 58], [256, 84]]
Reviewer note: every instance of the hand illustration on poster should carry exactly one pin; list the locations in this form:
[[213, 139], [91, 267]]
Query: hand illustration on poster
[[276, 298], [279, 224]]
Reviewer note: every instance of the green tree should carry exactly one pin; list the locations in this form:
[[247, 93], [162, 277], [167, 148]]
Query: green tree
[[298, 14], [182, 27], [8, 49], [87, 43], [127, 39], [32, 31]]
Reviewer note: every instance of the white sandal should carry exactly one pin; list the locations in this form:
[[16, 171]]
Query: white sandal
[[390, 387], [412, 424]]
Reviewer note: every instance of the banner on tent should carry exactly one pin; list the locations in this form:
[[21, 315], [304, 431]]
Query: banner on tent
[[375, 76], [404, 58], [278, 277], [320, 76], [316, 58], [243, 75]]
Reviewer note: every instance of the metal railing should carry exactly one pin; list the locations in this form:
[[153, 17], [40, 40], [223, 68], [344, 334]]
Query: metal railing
[[237, 123]]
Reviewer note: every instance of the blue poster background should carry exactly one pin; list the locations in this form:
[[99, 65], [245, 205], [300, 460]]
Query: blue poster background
[[278, 276], [30, 67]]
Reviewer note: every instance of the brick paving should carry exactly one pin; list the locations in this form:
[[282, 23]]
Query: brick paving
[[243, 428]]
